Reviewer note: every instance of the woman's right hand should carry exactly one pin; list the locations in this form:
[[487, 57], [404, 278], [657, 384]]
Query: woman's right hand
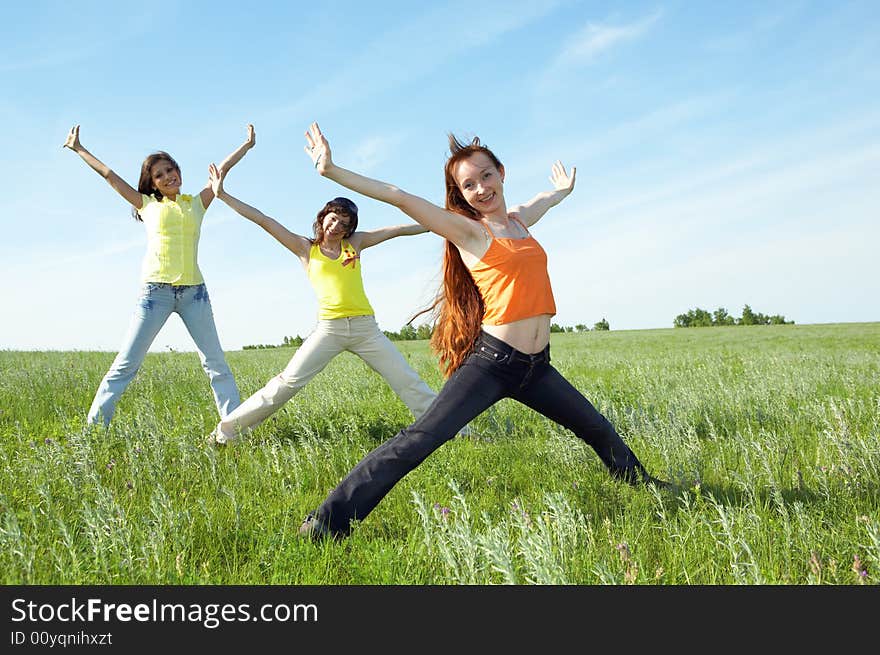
[[72, 141], [216, 179], [318, 148]]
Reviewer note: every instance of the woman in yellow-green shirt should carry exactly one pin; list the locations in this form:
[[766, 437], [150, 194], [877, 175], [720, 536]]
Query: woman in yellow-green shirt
[[172, 281], [332, 260]]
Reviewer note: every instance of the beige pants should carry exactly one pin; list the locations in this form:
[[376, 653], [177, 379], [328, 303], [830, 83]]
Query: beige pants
[[358, 334]]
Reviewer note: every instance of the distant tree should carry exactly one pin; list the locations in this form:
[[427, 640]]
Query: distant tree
[[748, 317], [721, 317], [580, 327], [602, 325], [555, 327], [700, 317], [424, 331], [694, 318]]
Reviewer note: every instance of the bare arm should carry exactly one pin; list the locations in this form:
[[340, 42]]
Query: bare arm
[[368, 238], [463, 232], [297, 244], [123, 188], [563, 184], [207, 193]]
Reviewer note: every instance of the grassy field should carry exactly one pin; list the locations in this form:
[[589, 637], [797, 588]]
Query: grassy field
[[771, 432]]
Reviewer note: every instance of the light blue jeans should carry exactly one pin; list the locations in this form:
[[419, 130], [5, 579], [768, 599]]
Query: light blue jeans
[[156, 303]]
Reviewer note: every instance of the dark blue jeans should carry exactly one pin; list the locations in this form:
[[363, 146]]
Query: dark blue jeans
[[494, 370]]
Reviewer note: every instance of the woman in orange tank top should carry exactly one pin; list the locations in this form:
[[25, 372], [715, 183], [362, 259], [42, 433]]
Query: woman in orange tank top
[[492, 329]]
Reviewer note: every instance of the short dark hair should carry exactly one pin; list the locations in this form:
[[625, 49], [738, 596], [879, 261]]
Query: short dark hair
[[339, 205]]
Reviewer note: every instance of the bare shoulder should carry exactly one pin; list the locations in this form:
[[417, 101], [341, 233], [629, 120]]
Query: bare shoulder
[[475, 246]]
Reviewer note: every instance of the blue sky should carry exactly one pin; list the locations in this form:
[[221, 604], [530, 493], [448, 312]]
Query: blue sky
[[727, 153]]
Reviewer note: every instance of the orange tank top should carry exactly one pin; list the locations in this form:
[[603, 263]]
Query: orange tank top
[[512, 279]]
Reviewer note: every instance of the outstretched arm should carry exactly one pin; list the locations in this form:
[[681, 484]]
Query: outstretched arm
[[123, 188], [207, 193], [367, 238], [297, 244], [458, 229], [563, 184]]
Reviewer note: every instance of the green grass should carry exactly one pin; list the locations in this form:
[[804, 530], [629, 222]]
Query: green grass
[[771, 433]]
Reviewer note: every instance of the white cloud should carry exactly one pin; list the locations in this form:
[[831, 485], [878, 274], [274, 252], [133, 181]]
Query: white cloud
[[424, 44], [373, 151], [596, 38]]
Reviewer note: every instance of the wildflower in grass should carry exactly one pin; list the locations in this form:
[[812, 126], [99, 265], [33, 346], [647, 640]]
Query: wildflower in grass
[[631, 571], [815, 565], [444, 511], [111, 464], [47, 441], [860, 569], [832, 567], [490, 480], [129, 485]]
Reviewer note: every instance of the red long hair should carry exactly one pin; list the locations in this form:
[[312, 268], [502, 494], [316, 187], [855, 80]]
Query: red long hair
[[458, 306]]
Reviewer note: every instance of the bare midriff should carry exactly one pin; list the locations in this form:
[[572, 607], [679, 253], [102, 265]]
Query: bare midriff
[[528, 335]]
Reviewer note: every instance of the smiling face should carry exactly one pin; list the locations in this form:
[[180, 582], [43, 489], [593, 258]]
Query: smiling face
[[165, 178], [336, 226], [481, 183]]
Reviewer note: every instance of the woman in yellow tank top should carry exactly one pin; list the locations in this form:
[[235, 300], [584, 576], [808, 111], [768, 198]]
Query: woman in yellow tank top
[[172, 281], [332, 260], [492, 332]]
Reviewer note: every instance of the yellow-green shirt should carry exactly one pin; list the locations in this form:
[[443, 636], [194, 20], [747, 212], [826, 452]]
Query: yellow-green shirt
[[338, 283], [173, 229]]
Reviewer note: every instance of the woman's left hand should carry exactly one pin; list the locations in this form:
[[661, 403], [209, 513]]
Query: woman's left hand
[[561, 180], [251, 140]]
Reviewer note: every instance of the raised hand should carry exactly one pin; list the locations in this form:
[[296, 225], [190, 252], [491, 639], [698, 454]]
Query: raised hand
[[216, 179], [72, 141], [251, 140], [561, 180], [318, 148]]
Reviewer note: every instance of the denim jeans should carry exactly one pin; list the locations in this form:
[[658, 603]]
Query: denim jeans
[[156, 303], [356, 334], [494, 370]]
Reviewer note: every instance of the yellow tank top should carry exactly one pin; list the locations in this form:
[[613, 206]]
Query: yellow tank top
[[173, 229], [338, 283]]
